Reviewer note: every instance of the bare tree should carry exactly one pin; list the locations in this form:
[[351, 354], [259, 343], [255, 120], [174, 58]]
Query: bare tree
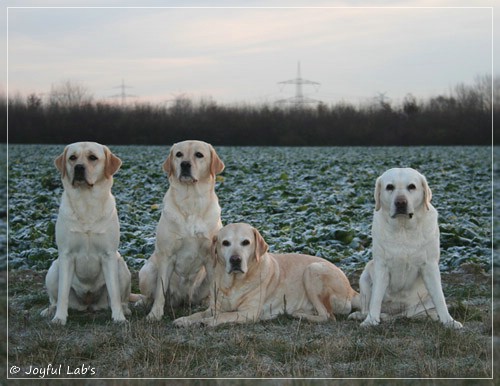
[[34, 102], [483, 86], [477, 96], [69, 94], [410, 105]]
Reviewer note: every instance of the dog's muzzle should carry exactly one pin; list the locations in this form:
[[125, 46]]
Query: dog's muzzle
[[235, 264], [79, 175], [401, 205], [185, 174]]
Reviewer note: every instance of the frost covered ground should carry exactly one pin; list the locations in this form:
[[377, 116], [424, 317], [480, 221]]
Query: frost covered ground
[[311, 200]]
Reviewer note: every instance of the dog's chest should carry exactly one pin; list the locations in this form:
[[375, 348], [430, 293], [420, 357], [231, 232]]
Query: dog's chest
[[402, 275], [87, 239], [195, 226], [81, 216], [403, 257], [88, 269], [192, 249], [230, 297], [188, 228]]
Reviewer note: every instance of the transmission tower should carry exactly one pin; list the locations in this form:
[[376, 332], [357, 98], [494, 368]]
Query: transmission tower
[[299, 98], [382, 97], [383, 100], [123, 95]]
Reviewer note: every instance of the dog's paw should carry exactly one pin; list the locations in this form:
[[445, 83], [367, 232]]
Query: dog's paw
[[154, 316], [182, 322], [119, 318], [369, 322], [453, 324], [58, 321]]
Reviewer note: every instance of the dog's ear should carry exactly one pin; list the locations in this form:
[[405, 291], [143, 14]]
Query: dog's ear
[[168, 165], [378, 190], [261, 246], [60, 163], [213, 250], [427, 192], [113, 163], [216, 164]]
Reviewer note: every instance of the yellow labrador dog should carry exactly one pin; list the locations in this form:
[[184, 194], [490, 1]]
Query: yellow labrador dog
[[190, 218], [403, 277], [89, 272], [252, 284]]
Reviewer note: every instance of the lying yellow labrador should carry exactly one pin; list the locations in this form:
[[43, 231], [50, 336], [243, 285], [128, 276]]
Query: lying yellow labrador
[[252, 284], [89, 272], [403, 278], [190, 218]]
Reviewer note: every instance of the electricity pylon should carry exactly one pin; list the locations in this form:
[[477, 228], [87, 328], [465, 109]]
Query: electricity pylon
[[299, 98], [123, 95]]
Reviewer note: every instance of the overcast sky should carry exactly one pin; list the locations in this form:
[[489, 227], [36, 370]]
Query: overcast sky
[[240, 55]]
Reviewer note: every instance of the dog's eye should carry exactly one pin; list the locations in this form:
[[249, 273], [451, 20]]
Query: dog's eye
[[199, 155], [178, 154], [92, 157], [72, 158], [389, 187], [245, 243], [412, 187], [226, 243]]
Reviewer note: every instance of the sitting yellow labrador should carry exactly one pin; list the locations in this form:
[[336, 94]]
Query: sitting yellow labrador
[[252, 284], [89, 272], [179, 266], [403, 278]]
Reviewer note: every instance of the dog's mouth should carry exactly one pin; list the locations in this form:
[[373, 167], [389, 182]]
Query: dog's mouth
[[402, 214], [235, 270], [187, 178]]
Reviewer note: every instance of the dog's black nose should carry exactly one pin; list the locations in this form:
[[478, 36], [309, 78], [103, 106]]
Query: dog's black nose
[[401, 203], [186, 165], [79, 171], [235, 260]]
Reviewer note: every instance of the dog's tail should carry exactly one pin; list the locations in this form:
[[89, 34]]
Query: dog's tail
[[134, 298]]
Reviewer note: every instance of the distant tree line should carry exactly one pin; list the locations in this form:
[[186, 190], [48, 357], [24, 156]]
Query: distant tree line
[[464, 117]]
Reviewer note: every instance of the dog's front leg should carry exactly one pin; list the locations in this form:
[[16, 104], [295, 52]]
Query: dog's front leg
[[66, 272], [165, 270], [380, 283], [110, 270], [240, 317], [186, 321], [432, 280]]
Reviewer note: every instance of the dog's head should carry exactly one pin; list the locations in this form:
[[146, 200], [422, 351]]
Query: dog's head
[[238, 247], [192, 161], [402, 191], [84, 164]]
